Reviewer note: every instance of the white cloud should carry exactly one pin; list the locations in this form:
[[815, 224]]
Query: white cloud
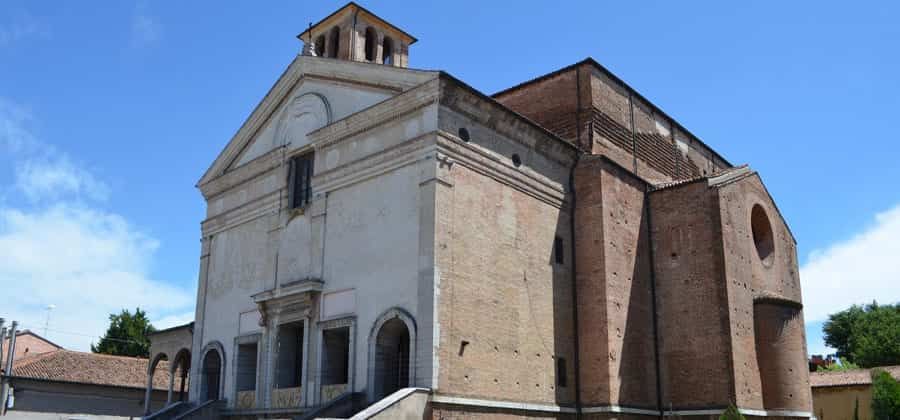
[[53, 179], [62, 250], [858, 270], [173, 320], [14, 134], [145, 29]]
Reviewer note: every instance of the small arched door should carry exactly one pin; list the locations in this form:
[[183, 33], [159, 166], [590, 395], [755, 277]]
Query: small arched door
[[392, 349], [212, 372]]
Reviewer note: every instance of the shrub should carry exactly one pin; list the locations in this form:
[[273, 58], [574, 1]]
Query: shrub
[[885, 396], [731, 413]]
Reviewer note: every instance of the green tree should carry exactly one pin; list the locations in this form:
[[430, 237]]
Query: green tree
[[126, 335], [839, 328], [885, 396], [868, 336], [731, 413]]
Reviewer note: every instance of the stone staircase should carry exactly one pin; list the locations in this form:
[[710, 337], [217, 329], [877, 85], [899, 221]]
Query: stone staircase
[[405, 404]]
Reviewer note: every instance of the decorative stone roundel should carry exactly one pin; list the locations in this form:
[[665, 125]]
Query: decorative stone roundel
[[302, 115]]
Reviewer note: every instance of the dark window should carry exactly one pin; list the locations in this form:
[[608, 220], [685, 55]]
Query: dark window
[[387, 51], [300, 177], [320, 46], [558, 251], [246, 366], [516, 160], [562, 378], [335, 356], [371, 42], [464, 134], [335, 42]]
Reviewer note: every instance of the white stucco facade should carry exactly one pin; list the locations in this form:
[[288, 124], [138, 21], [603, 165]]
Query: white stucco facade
[[359, 250]]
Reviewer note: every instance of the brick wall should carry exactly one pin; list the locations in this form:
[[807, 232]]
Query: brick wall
[[614, 290], [553, 103], [695, 349], [605, 110], [27, 344], [501, 293], [656, 138], [749, 279]]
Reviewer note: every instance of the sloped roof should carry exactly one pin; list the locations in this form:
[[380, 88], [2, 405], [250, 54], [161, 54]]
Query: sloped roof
[[91, 368], [726, 174], [590, 61], [849, 377], [353, 7]]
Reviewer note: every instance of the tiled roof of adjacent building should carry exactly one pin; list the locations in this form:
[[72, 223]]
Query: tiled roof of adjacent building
[[848, 377], [736, 170], [91, 368]]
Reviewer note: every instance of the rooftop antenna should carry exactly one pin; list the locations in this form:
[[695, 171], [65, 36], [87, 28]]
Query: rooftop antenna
[[47, 320]]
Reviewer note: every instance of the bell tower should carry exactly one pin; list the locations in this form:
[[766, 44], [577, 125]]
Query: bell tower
[[354, 33]]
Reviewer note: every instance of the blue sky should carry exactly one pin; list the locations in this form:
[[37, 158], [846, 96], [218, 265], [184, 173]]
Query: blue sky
[[110, 114]]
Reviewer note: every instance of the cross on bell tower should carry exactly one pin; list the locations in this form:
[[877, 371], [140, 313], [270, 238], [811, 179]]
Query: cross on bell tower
[[354, 33]]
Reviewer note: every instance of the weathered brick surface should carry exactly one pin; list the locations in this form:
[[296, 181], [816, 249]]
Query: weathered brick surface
[[614, 291], [27, 344], [552, 103], [501, 294], [694, 344], [611, 114], [731, 328], [780, 365]]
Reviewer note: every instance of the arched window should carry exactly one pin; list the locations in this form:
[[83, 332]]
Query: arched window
[[387, 51], [371, 42], [320, 46], [334, 40]]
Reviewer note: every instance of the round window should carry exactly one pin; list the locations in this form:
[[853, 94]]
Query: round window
[[464, 134], [762, 235]]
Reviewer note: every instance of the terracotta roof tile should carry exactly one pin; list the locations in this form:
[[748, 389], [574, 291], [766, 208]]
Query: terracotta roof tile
[[848, 377], [724, 172], [91, 368]]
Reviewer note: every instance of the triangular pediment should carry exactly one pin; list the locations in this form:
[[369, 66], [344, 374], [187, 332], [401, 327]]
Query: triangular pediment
[[311, 93]]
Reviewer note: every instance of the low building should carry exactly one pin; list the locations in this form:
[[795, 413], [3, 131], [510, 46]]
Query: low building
[[28, 343], [170, 355], [835, 393], [88, 385]]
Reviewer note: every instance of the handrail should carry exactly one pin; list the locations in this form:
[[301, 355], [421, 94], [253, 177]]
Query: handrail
[[345, 398], [196, 409], [387, 402], [169, 410]]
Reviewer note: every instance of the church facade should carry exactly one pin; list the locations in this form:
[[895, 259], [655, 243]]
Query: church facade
[[559, 249]]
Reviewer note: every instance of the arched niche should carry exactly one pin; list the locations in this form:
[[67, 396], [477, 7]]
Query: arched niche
[[303, 114], [212, 371], [392, 353]]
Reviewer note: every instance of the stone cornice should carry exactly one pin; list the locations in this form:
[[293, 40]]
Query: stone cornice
[[479, 160], [385, 111], [244, 173], [467, 101], [405, 153], [244, 213]]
